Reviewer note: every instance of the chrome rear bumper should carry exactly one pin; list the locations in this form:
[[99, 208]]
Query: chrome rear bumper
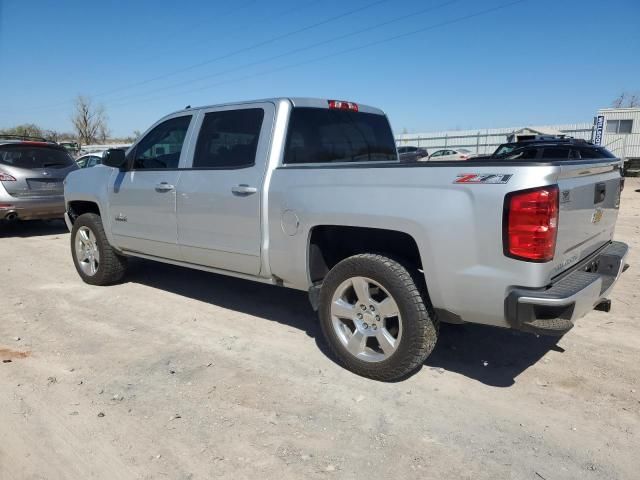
[[555, 309]]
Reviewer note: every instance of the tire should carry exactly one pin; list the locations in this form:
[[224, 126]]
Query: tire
[[394, 346], [95, 260]]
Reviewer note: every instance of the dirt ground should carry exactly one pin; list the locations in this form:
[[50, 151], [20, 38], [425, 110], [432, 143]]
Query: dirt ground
[[181, 374]]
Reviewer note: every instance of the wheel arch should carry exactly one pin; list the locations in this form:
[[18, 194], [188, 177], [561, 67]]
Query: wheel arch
[[75, 208], [330, 244]]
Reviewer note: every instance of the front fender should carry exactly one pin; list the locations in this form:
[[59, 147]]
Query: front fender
[[92, 185]]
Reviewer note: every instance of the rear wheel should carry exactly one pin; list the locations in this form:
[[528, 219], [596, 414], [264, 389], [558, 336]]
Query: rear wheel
[[377, 322], [95, 260]]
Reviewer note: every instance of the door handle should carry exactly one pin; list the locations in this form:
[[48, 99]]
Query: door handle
[[243, 189], [164, 187]]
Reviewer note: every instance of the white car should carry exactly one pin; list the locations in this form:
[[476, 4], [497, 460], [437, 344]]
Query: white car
[[90, 160], [450, 154]]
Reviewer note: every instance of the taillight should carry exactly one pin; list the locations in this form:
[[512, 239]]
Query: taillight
[[530, 224], [464, 157], [342, 105], [5, 177]]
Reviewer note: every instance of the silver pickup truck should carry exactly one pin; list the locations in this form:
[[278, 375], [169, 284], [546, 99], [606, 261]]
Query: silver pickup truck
[[310, 194]]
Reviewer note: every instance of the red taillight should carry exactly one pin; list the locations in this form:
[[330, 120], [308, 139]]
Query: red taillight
[[342, 105], [464, 157], [5, 177], [531, 224]]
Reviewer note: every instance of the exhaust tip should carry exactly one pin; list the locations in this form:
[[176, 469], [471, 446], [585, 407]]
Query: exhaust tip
[[604, 305]]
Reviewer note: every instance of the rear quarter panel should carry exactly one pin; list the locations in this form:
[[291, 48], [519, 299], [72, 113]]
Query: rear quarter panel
[[457, 227]]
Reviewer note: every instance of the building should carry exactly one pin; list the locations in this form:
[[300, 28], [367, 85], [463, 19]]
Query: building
[[617, 129], [620, 132]]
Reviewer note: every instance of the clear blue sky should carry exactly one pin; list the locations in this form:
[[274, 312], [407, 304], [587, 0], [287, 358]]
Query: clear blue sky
[[534, 62]]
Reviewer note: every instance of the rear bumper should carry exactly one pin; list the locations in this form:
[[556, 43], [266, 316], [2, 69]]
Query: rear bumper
[[30, 208], [555, 309]]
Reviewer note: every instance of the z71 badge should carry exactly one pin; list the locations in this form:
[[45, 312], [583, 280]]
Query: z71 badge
[[492, 178]]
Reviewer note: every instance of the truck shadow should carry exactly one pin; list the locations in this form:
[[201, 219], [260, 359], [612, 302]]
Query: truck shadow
[[32, 228], [492, 356]]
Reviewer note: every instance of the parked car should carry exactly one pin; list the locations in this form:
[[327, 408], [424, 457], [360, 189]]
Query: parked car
[[310, 194], [72, 147], [32, 171], [450, 154], [549, 149], [90, 159], [411, 154]]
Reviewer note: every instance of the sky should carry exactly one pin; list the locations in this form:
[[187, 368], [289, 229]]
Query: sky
[[432, 65]]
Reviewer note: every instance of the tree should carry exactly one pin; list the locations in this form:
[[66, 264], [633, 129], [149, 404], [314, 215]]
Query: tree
[[626, 100], [103, 133], [27, 129], [89, 120]]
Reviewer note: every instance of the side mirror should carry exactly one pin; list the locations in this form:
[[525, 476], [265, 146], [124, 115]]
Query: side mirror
[[114, 157]]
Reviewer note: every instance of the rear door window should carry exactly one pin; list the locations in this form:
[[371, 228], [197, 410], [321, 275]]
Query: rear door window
[[556, 153], [318, 135], [229, 139], [30, 157]]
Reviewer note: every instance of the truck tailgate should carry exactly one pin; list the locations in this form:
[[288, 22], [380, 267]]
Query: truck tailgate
[[589, 200]]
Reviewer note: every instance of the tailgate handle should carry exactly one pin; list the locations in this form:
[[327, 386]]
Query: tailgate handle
[[600, 193]]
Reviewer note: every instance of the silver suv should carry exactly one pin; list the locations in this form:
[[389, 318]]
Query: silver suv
[[32, 172]]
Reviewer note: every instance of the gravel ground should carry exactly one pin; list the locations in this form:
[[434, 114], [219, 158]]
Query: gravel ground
[[187, 375]]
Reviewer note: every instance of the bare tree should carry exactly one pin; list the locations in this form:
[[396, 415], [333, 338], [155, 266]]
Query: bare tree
[[626, 100], [89, 120], [52, 135], [103, 133]]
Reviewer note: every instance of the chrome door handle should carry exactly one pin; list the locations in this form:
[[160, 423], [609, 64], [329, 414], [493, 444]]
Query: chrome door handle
[[164, 187], [243, 189]]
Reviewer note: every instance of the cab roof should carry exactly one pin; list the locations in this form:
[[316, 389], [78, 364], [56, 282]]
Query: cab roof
[[309, 102]]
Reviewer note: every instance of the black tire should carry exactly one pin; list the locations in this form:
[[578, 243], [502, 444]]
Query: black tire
[[112, 266], [419, 324]]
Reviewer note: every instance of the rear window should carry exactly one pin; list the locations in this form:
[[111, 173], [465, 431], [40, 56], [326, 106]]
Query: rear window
[[30, 157], [319, 135]]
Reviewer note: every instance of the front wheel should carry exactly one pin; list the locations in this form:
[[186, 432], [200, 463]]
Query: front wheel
[[377, 322], [95, 260]]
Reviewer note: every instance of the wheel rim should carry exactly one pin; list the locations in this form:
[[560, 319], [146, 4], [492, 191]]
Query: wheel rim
[[366, 319], [87, 253]]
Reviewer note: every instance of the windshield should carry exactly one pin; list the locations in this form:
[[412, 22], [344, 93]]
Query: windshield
[[318, 135], [30, 157]]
